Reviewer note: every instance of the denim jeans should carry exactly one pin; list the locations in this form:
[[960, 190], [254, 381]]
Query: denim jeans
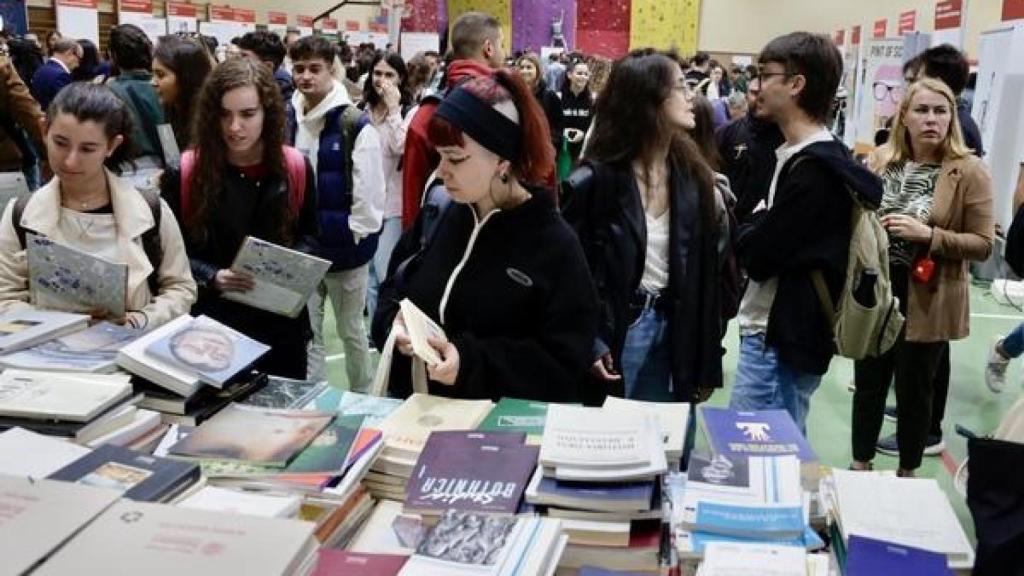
[[390, 234], [1013, 344], [647, 367], [763, 382]]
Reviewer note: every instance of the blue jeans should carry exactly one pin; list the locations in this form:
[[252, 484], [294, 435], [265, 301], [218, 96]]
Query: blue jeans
[[1013, 344], [390, 234], [647, 367], [763, 382]]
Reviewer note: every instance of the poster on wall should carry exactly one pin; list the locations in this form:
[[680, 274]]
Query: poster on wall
[[140, 13], [305, 24], [329, 27], [181, 18], [907, 23], [949, 23], [413, 43], [79, 19], [277, 22], [881, 89], [14, 16]]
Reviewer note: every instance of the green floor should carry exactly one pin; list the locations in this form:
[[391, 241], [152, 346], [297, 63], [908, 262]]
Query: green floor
[[970, 403]]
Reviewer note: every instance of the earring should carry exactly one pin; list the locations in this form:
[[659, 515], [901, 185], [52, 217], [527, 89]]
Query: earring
[[504, 178]]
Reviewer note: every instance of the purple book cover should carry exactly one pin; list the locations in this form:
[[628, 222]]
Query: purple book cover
[[469, 471], [866, 556], [733, 433]]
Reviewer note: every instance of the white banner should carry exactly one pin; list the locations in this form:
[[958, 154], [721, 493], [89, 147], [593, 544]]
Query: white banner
[[415, 42], [152, 26], [181, 24], [78, 22]]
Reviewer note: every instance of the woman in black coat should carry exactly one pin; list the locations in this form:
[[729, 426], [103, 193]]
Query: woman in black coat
[[529, 68]]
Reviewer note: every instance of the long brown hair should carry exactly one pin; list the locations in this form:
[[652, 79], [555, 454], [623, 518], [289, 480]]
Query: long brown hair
[[899, 148], [211, 151], [629, 123]]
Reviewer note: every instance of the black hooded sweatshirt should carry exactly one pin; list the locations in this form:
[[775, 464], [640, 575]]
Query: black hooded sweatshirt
[[807, 228]]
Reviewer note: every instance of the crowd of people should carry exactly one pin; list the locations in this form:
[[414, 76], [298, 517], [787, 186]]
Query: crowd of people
[[578, 227]]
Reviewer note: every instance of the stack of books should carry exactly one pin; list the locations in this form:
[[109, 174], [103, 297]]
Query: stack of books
[[28, 327], [733, 558], [139, 476], [468, 543], [93, 349], [405, 432], [178, 363], [903, 512], [481, 472], [673, 421], [600, 472]]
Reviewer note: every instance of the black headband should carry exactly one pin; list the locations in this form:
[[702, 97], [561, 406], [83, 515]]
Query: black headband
[[492, 129]]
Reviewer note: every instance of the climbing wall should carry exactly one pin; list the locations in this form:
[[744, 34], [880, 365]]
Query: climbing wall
[[602, 27], [665, 24], [531, 22], [500, 9]]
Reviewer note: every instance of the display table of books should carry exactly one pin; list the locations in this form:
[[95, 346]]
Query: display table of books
[[191, 463]]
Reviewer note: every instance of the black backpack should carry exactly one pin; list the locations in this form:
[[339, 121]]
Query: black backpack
[[150, 238]]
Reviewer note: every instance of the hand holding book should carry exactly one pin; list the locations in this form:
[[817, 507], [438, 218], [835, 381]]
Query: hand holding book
[[227, 280], [416, 334]]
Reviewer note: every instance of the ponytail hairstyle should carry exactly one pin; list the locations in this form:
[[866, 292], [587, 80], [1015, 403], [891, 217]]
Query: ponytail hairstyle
[[211, 151], [191, 64], [88, 102], [535, 163]]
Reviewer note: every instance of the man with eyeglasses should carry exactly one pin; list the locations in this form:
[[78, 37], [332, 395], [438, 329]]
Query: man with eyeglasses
[[802, 227]]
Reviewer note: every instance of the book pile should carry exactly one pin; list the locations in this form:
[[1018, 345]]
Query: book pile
[[25, 328], [752, 489], [91, 409], [600, 473], [93, 349], [190, 367], [904, 513], [138, 476], [735, 558], [405, 432]]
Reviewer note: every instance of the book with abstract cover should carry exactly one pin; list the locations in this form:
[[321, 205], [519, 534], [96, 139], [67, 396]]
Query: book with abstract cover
[[284, 279], [91, 350], [281, 392], [736, 434], [212, 351], [64, 278], [471, 471], [254, 435]]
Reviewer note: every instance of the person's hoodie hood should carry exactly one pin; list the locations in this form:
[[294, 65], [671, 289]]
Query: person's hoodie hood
[[865, 183], [338, 96]]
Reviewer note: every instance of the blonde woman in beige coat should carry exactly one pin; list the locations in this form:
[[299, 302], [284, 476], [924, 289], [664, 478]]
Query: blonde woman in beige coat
[[88, 207], [937, 209]]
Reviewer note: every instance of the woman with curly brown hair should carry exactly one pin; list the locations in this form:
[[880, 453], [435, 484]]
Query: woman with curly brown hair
[[241, 180]]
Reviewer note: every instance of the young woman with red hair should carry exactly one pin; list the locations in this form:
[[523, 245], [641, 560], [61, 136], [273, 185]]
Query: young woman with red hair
[[501, 272]]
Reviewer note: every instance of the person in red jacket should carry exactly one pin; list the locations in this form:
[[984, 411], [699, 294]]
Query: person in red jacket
[[477, 47]]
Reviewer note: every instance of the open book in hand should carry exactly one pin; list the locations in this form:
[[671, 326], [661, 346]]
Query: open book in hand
[[284, 278], [421, 329], [64, 278]]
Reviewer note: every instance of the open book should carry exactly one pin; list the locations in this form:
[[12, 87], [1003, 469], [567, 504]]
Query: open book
[[284, 278], [421, 329], [65, 278]]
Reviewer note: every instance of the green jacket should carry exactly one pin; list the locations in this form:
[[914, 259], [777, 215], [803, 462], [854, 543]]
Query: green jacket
[[135, 89]]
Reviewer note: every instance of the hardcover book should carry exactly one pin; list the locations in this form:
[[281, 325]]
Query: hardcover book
[[373, 408], [140, 476], [868, 557], [27, 454], [254, 435], [27, 327], [40, 515], [161, 540], [212, 351], [169, 375], [337, 562], [587, 437], [470, 472], [284, 279], [673, 420], [281, 392], [48, 396], [515, 415], [735, 434], [600, 497], [407, 428], [93, 349], [64, 278]]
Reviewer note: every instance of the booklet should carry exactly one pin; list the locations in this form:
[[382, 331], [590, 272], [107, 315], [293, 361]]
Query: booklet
[[422, 329], [284, 278], [64, 278]]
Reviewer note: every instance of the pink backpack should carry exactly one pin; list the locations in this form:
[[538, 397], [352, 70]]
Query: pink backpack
[[293, 159]]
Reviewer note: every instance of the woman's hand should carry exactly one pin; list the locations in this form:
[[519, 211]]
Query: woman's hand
[[907, 228], [448, 370], [230, 281], [604, 369], [391, 96], [402, 341]]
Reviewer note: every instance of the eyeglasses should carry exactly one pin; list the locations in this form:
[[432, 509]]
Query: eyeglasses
[[885, 90], [761, 76]]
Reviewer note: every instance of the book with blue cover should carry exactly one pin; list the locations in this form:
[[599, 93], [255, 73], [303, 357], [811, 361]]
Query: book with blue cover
[[211, 351], [692, 544], [869, 557], [595, 496], [738, 433], [754, 497], [142, 477]]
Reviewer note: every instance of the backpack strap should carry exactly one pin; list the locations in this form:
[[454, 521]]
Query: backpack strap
[[296, 165], [19, 208], [188, 164]]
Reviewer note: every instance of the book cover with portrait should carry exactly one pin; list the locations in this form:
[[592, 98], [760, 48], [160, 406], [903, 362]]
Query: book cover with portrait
[[209, 349]]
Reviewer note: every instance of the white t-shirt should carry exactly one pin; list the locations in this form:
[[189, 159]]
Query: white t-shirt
[[655, 277], [759, 297]]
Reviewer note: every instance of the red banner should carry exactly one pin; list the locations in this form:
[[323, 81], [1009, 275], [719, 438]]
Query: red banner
[[352, 25], [224, 13], [377, 27], [880, 28], [92, 4], [908, 22], [840, 37], [277, 18], [949, 14], [245, 16], [1013, 10], [181, 9], [140, 6], [329, 25], [304, 21], [855, 36]]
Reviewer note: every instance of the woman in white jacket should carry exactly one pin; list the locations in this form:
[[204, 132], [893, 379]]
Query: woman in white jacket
[[88, 207]]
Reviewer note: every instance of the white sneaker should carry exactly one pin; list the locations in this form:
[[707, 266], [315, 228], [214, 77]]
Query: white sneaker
[[995, 370]]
